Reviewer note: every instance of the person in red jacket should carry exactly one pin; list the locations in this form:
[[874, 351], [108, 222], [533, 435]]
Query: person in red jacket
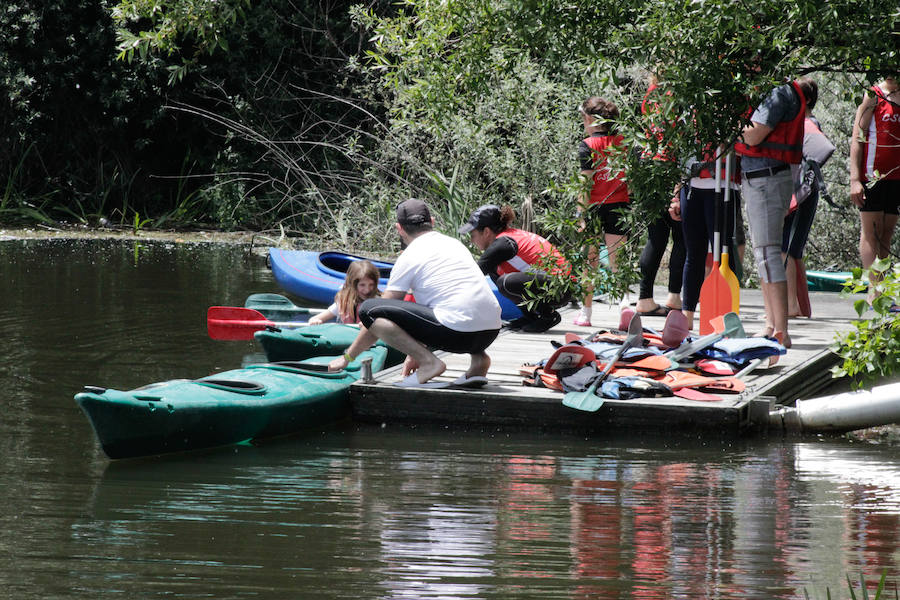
[[769, 146], [517, 261], [875, 169], [606, 193]]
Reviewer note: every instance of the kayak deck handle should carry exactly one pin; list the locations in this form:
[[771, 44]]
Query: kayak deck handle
[[238, 386]]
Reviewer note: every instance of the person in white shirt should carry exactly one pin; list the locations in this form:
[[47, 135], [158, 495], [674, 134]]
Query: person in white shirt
[[454, 309]]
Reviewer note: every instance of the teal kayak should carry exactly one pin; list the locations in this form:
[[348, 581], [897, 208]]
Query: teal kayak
[[315, 340], [827, 281], [255, 402]]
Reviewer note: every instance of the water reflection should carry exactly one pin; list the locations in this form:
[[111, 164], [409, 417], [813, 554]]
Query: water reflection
[[378, 513], [369, 514]]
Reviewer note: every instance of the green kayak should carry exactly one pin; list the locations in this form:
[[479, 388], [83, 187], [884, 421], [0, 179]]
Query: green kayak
[[255, 402], [315, 340]]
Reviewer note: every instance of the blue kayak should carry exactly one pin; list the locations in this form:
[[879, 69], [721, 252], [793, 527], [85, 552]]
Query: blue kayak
[[255, 402], [317, 276]]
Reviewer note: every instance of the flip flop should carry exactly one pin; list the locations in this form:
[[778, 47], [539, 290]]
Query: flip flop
[[412, 381], [475, 381], [660, 311]]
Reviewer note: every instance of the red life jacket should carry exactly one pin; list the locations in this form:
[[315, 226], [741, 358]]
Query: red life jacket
[[785, 142], [709, 164], [533, 250], [608, 188], [882, 149]]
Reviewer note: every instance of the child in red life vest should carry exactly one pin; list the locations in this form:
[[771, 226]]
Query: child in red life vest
[[606, 193]]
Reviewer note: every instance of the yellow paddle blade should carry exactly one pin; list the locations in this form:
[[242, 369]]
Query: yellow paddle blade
[[733, 284]]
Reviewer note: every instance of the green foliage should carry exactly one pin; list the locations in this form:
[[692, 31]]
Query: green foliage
[[190, 28], [880, 591], [447, 70], [871, 350]]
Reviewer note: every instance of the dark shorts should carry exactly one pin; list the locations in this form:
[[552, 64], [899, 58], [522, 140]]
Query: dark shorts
[[420, 323], [609, 215], [883, 196]]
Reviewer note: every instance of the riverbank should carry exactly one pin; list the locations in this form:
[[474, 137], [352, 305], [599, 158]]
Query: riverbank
[[127, 233]]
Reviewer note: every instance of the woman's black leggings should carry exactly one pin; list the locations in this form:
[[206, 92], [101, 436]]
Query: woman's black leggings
[[518, 287], [698, 222], [651, 255]]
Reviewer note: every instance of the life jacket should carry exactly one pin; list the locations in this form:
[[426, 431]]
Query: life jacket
[[607, 188], [882, 149], [533, 250], [785, 142]]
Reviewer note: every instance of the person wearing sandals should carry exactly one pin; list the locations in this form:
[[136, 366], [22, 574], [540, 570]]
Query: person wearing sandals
[[515, 260], [454, 309], [769, 146], [606, 193], [660, 230]]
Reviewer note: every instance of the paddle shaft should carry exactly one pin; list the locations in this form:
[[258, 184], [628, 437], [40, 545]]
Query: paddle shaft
[[237, 323]]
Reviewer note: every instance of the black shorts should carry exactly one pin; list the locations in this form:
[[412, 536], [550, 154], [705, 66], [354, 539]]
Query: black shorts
[[882, 196], [610, 216], [420, 323]]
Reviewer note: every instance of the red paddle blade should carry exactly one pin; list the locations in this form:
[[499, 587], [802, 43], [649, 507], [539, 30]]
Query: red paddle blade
[[715, 299], [234, 323]]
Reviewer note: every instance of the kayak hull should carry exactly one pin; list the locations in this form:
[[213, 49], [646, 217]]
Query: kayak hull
[[827, 281], [315, 340], [226, 408], [317, 276]]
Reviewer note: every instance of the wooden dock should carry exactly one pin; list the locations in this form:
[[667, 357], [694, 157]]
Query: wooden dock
[[506, 404]]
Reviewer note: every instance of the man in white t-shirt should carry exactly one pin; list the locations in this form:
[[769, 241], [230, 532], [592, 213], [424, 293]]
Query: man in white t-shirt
[[454, 309]]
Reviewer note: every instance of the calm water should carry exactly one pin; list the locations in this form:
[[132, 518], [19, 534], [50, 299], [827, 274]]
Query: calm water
[[376, 513]]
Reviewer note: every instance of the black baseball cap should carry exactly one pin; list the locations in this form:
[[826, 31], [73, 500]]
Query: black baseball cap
[[484, 216], [413, 212]]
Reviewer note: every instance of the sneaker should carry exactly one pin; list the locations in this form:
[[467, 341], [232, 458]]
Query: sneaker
[[542, 324], [583, 319]]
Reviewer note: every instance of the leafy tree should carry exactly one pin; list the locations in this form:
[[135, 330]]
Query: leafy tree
[[439, 63]]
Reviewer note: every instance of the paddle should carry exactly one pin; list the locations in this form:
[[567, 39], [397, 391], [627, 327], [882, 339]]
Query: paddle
[[235, 323], [731, 279], [277, 307], [588, 400], [715, 296]]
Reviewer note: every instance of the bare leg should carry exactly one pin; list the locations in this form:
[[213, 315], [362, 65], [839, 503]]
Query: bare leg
[[689, 315], [613, 245], [793, 302], [673, 300], [775, 298], [875, 233], [479, 365], [427, 365]]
